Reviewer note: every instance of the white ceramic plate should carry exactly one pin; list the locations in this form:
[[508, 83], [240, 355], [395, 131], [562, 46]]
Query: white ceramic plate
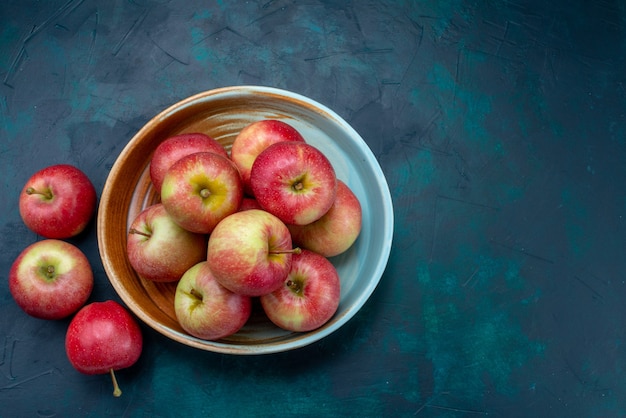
[[222, 113]]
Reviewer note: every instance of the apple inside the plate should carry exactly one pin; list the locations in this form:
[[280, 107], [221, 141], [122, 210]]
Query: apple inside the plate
[[201, 189], [176, 147], [159, 249], [308, 297], [250, 252], [294, 181], [101, 338], [206, 309], [51, 279], [58, 201], [249, 203], [254, 138], [336, 230]]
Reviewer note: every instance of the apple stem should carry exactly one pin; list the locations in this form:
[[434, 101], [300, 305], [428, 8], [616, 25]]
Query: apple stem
[[117, 392], [135, 231], [204, 193], [50, 272], [294, 286], [47, 194], [296, 250], [195, 294], [298, 186]]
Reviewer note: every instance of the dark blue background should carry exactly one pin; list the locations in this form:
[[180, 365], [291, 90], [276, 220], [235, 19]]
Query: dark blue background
[[501, 129]]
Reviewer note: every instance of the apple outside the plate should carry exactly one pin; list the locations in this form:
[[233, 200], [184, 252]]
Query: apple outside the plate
[[249, 252], [201, 189], [159, 249], [253, 139], [294, 181], [101, 338], [337, 230], [308, 297], [176, 147], [58, 201], [51, 279], [206, 309]]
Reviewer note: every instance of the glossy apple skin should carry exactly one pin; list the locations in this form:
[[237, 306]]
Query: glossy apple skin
[[67, 205], [206, 309], [176, 147], [254, 138], [239, 252], [294, 181], [336, 230], [159, 249], [308, 297], [188, 178], [103, 336], [51, 295]]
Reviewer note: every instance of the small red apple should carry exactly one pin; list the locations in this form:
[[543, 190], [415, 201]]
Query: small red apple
[[101, 338], [337, 230], [308, 297], [159, 249], [206, 309], [51, 279], [249, 203], [254, 138], [58, 201], [176, 147], [249, 252], [294, 181], [201, 189]]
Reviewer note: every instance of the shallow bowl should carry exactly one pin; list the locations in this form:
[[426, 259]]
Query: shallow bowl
[[222, 113]]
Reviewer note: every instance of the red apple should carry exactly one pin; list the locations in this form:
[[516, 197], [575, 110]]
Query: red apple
[[201, 189], [101, 338], [254, 138], [206, 309], [250, 252], [51, 279], [176, 147], [337, 230], [308, 297], [159, 249], [249, 203], [58, 201], [294, 181]]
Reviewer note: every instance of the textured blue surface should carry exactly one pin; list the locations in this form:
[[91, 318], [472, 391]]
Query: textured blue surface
[[501, 128]]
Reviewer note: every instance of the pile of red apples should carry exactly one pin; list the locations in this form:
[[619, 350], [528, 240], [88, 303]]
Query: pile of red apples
[[260, 221], [52, 278]]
